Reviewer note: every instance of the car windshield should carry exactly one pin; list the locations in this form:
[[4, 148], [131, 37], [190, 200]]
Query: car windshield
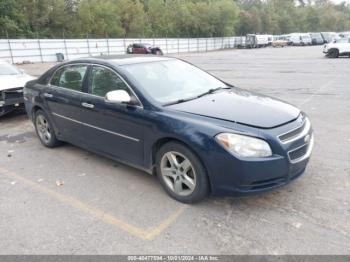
[[169, 81], [7, 69]]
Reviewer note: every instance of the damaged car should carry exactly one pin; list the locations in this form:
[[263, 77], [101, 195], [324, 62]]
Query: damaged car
[[12, 81]]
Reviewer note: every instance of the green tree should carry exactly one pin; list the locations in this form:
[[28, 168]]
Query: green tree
[[100, 18], [11, 18], [168, 18]]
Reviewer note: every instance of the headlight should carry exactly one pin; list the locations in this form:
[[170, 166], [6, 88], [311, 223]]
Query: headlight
[[244, 146]]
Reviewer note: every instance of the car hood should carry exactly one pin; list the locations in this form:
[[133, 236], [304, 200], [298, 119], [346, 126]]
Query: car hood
[[13, 81], [242, 107]]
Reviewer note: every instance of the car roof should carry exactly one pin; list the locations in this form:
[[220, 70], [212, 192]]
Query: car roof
[[124, 59]]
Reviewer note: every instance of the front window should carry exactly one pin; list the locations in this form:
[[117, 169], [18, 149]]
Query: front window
[[172, 80], [104, 80], [7, 69]]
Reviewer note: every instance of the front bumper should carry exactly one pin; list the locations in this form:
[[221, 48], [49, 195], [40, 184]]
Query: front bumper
[[10, 100], [233, 176]]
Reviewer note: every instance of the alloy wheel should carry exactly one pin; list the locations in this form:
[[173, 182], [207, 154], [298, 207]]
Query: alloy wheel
[[44, 129], [178, 173]]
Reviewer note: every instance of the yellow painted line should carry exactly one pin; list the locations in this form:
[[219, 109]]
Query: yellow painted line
[[157, 230], [97, 213]]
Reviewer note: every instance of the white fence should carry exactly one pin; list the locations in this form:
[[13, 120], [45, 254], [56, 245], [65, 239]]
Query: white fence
[[45, 50]]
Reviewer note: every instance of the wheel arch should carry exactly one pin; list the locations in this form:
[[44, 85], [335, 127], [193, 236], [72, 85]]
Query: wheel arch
[[35, 109], [164, 140], [334, 49]]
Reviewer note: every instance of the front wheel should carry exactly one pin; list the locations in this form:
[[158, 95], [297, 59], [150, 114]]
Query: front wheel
[[159, 52], [181, 173], [44, 130], [333, 53]]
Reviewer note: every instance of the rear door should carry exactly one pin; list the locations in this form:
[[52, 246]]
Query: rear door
[[63, 98], [113, 129]]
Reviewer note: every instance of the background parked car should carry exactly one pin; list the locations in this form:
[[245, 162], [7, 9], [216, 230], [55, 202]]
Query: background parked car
[[317, 39], [339, 47], [280, 41], [12, 81], [143, 48]]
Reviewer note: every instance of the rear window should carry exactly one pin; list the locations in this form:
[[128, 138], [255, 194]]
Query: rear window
[[70, 77]]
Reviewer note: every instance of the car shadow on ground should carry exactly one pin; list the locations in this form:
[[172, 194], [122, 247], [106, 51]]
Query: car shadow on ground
[[14, 116]]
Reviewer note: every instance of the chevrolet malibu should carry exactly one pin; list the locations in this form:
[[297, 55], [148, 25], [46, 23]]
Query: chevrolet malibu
[[198, 134]]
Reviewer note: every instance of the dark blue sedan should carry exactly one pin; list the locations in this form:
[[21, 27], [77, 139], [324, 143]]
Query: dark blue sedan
[[198, 134]]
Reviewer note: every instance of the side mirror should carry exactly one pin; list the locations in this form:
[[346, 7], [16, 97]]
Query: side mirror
[[118, 96]]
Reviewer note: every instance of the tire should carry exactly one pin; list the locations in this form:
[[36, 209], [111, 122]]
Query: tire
[[44, 130], [333, 53], [159, 52], [181, 173]]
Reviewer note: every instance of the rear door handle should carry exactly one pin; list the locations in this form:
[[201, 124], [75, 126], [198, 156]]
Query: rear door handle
[[48, 95], [87, 105]]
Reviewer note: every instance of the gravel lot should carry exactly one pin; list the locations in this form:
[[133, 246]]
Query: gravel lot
[[103, 207]]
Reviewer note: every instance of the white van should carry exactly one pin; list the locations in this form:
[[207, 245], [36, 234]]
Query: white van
[[299, 39]]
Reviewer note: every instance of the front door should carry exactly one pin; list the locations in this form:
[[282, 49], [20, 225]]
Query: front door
[[110, 128]]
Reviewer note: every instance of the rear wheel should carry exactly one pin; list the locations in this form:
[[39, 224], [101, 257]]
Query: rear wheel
[[45, 130], [181, 173]]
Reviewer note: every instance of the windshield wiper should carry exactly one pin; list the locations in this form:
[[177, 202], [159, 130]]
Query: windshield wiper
[[210, 91], [213, 90], [179, 101]]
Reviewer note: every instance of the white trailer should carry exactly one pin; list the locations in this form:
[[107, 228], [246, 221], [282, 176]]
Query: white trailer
[[257, 41]]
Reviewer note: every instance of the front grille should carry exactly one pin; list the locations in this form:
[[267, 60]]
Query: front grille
[[292, 134], [298, 153], [12, 93], [296, 133], [303, 152]]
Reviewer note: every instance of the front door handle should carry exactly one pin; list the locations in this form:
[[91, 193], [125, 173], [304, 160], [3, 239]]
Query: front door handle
[[48, 95], [87, 105]]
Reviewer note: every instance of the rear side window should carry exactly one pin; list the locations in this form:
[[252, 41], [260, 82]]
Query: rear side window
[[70, 77], [104, 80]]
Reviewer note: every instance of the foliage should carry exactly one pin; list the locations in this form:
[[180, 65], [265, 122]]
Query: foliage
[[168, 18]]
